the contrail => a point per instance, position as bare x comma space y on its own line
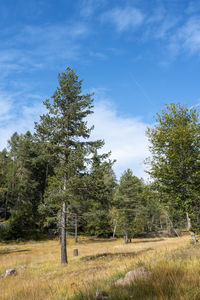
141, 90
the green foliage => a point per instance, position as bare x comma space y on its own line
101, 186
175, 163
24, 184
128, 203
21, 225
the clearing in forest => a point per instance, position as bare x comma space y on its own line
99, 264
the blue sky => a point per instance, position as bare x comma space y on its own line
136, 56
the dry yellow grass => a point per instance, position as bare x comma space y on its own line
42, 277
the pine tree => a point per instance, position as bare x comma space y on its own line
63, 131
101, 185
128, 203
24, 181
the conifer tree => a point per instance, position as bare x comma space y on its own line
128, 203
24, 182
64, 132
101, 186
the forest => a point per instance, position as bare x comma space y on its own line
57, 182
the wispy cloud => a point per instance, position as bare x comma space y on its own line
5, 107
160, 23
124, 18
35, 47
188, 36
157, 15
89, 7
98, 55
165, 28
185, 39
15, 116
180, 34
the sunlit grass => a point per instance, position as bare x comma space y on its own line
41, 276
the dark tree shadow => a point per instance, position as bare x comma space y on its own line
93, 241
9, 251
114, 255
147, 241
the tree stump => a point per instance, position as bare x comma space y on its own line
75, 252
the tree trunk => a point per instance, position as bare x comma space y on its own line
63, 216
114, 230
188, 221
76, 229
193, 237
189, 227
126, 238
63, 235
161, 224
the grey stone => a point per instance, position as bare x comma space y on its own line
139, 273
9, 272
75, 252
11, 248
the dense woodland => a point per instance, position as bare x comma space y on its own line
56, 181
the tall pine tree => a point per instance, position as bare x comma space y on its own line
64, 131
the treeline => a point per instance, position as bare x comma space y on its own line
55, 181
95, 205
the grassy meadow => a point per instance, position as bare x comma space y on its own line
173, 262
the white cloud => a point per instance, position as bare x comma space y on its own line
124, 18
186, 39
17, 117
189, 35
124, 136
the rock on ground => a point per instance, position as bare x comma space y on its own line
139, 273
9, 272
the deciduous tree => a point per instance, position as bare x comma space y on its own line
175, 162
